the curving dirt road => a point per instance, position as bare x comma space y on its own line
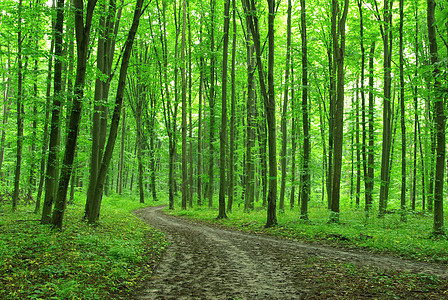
205, 262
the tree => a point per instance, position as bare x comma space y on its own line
402, 118
338, 34
212, 105
52, 161
439, 112
306, 184
82, 29
223, 133
231, 179
20, 110
113, 132
185, 187
386, 34
285, 107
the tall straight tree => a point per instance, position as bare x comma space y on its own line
439, 112
285, 108
20, 110
185, 189
249, 180
402, 116
338, 35
82, 29
52, 161
223, 133
306, 184
231, 188
211, 104
190, 112
386, 34
268, 94
369, 180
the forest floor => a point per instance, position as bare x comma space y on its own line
205, 261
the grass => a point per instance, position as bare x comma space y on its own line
411, 239
108, 261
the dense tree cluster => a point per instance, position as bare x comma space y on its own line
328, 102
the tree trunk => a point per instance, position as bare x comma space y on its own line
120, 165
387, 112
223, 133
20, 111
339, 54
358, 153
306, 184
105, 53
231, 179
268, 95
117, 112
212, 105
82, 29
185, 188
250, 125
403, 125
439, 112
369, 181
52, 162
285, 108
190, 117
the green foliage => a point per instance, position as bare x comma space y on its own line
388, 235
82, 262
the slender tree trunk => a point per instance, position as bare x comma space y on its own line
332, 96
268, 95
339, 54
250, 125
223, 133
106, 46
20, 111
212, 105
306, 183
387, 112
416, 122
403, 125
285, 109
120, 166
96, 126
185, 188
117, 111
190, 118
439, 112
294, 135
52, 162
231, 180
369, 181
199, 166
82, 29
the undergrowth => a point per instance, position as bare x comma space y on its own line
411, 239
106, 261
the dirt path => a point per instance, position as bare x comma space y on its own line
204, 262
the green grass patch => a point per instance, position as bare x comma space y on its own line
411, 239
107, 261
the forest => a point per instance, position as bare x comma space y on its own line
223, 104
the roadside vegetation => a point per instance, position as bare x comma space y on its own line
412, 239
107, 261
341, 279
